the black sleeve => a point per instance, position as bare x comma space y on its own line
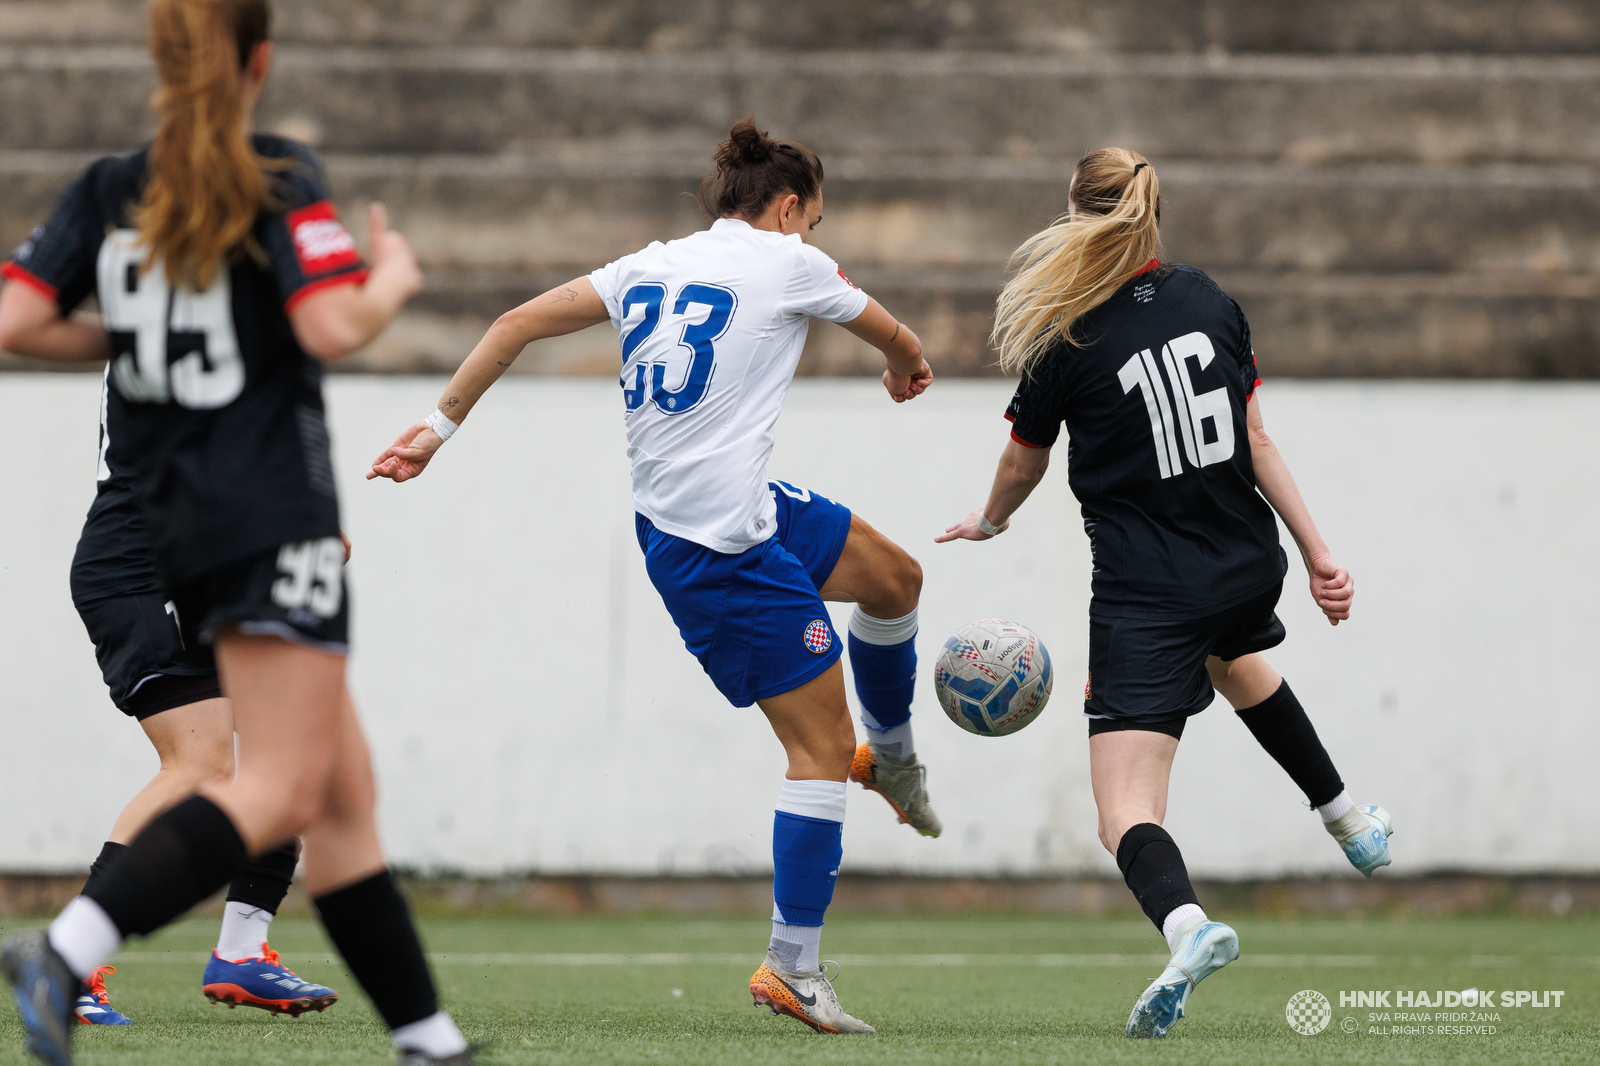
59, 258
1040, 403
309, 247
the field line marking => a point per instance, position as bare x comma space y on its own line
963, 960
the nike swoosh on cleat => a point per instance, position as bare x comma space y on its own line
810, 1001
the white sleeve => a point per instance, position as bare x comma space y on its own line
608, 281
820, 289
605, 281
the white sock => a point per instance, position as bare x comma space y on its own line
1334, 809
1179, 915
84, 936
798, 947
435, 1035
894, 744
822, 800
885, 631
244, 930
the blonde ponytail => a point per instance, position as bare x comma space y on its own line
206, 183
1074, 265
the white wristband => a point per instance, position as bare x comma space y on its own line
991, 530
441, 425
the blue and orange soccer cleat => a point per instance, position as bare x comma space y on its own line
263, 982
94, 1006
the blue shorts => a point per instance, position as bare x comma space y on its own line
755, 620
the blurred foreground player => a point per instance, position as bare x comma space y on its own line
712, 327
1187, 564
221, 269
170, 687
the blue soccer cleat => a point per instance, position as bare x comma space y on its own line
263, 982
1363, 833
1203, 949
45, 991
94, 1006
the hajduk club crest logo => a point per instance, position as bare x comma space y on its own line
819, 638
1308, 1012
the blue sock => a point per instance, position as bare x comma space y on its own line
807, 844
883, 657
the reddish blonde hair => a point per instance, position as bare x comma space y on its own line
207, 185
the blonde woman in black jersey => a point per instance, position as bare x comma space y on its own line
225, 280
1151, 368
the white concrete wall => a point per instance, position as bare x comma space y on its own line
531, 707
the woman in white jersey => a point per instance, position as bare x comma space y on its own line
712, 327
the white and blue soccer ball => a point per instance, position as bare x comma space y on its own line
993, 677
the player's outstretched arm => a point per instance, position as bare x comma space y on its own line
1021, 470
1332, 587
908, 374
337, 321
31, 325
562, 310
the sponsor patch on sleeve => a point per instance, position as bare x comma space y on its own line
320, 239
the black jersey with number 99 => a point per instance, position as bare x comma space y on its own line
214, 411
1158, 453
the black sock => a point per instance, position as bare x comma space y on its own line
1153, 867
178, 860
371, 926
1281, 727
110, 851
263, 881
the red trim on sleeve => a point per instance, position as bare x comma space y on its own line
1025, 443
1251, 394
320, 239
12, 272
311, 288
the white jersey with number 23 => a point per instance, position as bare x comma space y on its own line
712, 326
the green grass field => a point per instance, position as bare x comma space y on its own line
972, 990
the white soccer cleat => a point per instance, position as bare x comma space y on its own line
1363, 833
806, 996
903, 784
1204, 947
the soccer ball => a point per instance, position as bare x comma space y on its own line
993, 677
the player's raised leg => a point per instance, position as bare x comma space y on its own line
1268, 707
813, 724
1130, 768
885, 583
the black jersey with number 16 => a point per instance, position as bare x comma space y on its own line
214, 412
1158, 454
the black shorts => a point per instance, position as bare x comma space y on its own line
1146, 674
150, 661
296, 592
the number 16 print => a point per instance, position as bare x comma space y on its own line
1187, 411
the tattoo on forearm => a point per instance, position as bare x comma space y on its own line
896, 332
451, 402
566, 293
499, 363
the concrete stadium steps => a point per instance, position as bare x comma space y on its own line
525, 210
1304, 325
1227, 108
1083, 26
1368, 270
